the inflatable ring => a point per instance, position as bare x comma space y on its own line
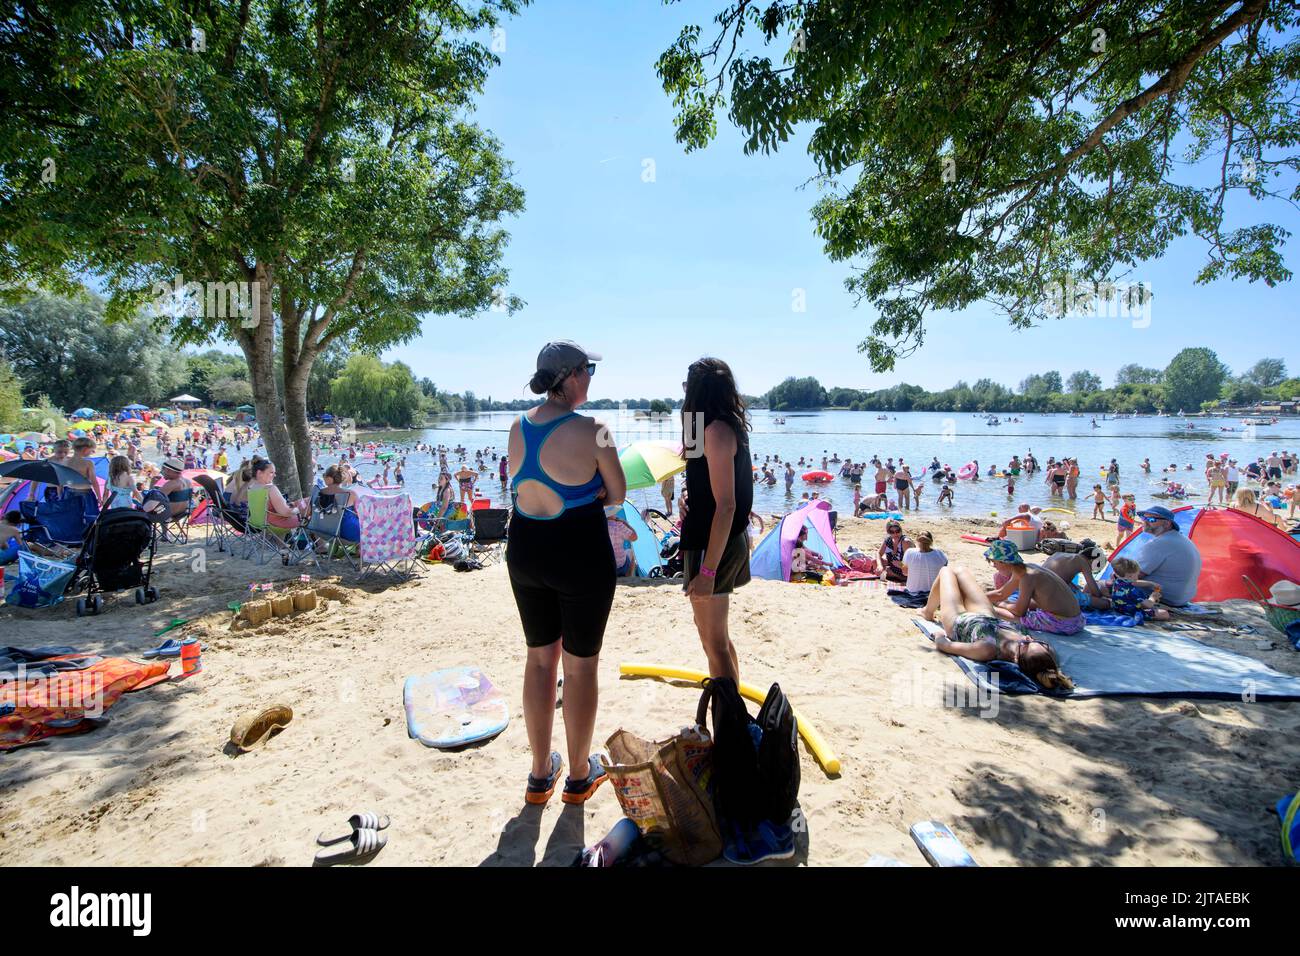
967, 471
820, 477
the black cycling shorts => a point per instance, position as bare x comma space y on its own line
562, 573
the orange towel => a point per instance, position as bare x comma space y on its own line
68, 701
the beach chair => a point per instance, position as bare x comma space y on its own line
387, 536
488, 543
62, 521
260, 537
172, 528
321, 531
220, 528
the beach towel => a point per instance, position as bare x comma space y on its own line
907, 599
69, 702
1138, 662
1113, 619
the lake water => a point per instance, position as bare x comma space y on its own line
915, 437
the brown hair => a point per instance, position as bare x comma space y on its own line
925, 541
1126, 567
1038, 662
119, 465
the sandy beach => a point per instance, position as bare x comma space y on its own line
1040, 782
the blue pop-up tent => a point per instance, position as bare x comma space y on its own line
646, 546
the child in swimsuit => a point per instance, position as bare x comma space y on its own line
1133, 597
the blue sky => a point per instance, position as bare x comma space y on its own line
704, 259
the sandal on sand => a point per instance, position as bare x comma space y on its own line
257, 727
362, 845
580, 791
358, 821
540, 788
168, 648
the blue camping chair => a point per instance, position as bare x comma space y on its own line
59, 522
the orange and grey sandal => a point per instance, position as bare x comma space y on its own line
540, 788
580, 791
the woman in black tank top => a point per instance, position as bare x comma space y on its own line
719, 496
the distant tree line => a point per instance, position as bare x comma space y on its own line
1194, 380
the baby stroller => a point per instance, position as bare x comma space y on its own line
670, 553
117, 554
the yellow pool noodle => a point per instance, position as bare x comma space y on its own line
815, 741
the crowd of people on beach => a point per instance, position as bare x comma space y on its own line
565, 483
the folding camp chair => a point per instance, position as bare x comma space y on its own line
387, 535
322, 528
62, 521
261, 537
173, 528
488, 544
220, 528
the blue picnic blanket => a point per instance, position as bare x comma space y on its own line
1108, 661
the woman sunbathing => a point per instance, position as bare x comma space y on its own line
972, 630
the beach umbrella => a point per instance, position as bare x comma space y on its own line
646, 463
45, 472
84, 413
135, 408
36, 437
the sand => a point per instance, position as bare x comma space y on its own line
1108, 782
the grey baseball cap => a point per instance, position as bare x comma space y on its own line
563, 356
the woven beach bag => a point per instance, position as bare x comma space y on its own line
663, 787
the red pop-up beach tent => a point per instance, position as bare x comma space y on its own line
1232, 543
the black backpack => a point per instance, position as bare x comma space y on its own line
751, 781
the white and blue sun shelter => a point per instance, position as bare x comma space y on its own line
646, 545
771, 559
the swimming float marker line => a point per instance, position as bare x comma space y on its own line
816, 743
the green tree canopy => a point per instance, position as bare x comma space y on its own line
1266, 373
63, 348
377, 394
315, 160
1133, 374
11, 398
795, 393
1194, 376
985, 151
1084, 382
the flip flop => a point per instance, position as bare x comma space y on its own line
168, 648
358, 821
539, 789
362, 845
254, 729
580, 791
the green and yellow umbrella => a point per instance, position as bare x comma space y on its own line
646, 463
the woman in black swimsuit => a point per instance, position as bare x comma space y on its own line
719, 496
903, 485
561, 564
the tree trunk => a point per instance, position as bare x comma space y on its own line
295, 416
259, 349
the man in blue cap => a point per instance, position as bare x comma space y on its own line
1168, 558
